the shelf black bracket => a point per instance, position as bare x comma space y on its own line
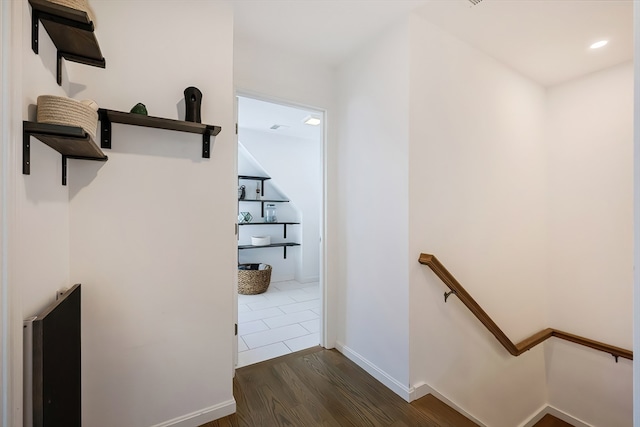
105, 130
64, 170
35, 25
26, 153
101, 63
285, 230
206, 144
59, 69
285, 252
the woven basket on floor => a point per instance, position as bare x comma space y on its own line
252, 282
59, 110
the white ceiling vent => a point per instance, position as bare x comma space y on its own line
474, 2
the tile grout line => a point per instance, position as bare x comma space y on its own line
283, 343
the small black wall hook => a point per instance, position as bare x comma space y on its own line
448, 294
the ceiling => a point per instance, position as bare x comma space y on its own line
261, 116
545, 40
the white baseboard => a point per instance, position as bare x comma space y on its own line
556, 413
377, 373
422, 389
202, 416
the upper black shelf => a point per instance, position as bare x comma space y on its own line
70, 141
284, 225
110, 116
71, 31
254, 178
269, 223
262, 200
284, 246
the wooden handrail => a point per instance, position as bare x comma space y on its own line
514, 349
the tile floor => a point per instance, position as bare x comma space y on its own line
282, 320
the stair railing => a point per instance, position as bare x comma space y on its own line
514, 349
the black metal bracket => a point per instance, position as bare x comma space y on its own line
285, 252
35, 27
26, 153
105, 130
285, 230
615, 356
101, 63
206, 144
448, 294
64, 170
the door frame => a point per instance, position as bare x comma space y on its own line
327, 307
11, 353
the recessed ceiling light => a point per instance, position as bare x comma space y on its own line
599, 44
310, 120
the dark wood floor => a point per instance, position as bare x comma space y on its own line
551, 421
318, 387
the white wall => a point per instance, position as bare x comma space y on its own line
294, 165
477, 164
265, 71
42, 202
152, 230
10, 132
591, 248
373, 157
636, 216
39, 241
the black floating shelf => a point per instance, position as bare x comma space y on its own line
269, 223
273, 245
284, 224
70, 141
262, 179
71, 31
110, 116
254, 178
263, 200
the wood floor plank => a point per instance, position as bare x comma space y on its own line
318, 387
348, 390
443, 414
315, 407
551, 421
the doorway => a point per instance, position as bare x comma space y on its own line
280, 219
